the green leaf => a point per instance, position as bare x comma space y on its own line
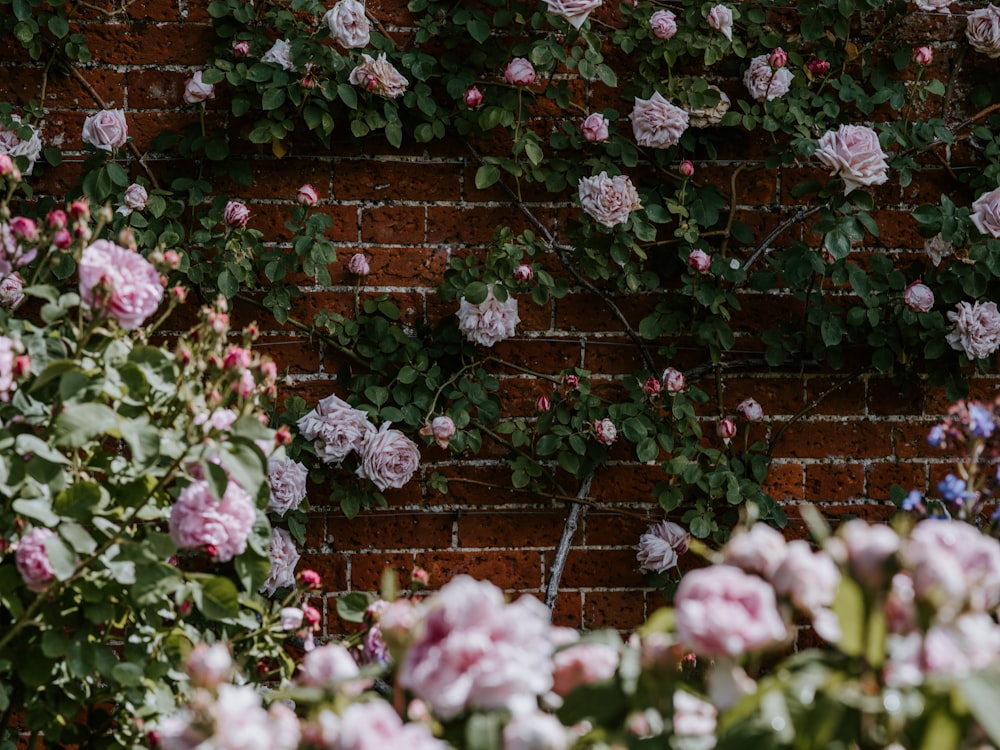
487, 175
78, 500
351, 607
981, 691
272, 99
217, 598
81, 423
63, 559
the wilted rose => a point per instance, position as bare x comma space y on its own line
661, 546
379, 76
574, 11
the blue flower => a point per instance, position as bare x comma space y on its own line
953, 489
913, 500
936, 436
981, 421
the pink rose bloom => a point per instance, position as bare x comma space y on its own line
810, 579
574, 11
901, 604
241, 48
663, 24
195, 90
595, 128
388, 458
209, 666
236, 214
582, 664
33, 561
307, 195
686, 168
291, 618
606, 431
937, 249
11, 286
242, 723
284, 558
699, 260
673, 380
982, 29
760, 550
287, 479
336, 427
651, 386
134, 199
380, 76
986, 213
750, 410
778, 58
12, 145
489, 322
535, 731
472, 650
375, 725
608, 200
853, 153
818, 67
473, 97
918, 297
934, 6
349, 26
106, 130
119, 283
198, 520
280, 54
328, 666
657, 123
661, 546
519, 72
442, 428
977, 329
693, 717
9, 349
523, 273
23, 228
865, 550
765, 82
359, 264
923, 55
720, 18
722, 611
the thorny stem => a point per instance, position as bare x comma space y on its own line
576, 510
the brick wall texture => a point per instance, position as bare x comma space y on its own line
411, 209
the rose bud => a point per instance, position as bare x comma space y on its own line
818, 67
673, 380
241, 49
750, 410
307, 195
606, 431
62, 239
570, 382
778, 58
595, 128
918, 297
519, 72
23, 228
699, 260
310, 578
686, 168
651, 387
358, 264
523, 273
543, 403
56, 219
726, 429
236, 214
923, 55
473, 97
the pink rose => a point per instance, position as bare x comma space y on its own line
657, 123
571, 382
519, 72
722, 611
686, 168
750, 410
778, 58
11, 293
473, 97
442, 428
854, 153
388, 458
720, 18
119, 283
7, 166
359, 264
287, 480
307, 195
651, 386
33, 561
379, 76
595, 128
574, 11
23, 228
977, 329
923, 55
818, 67
765, 82
106, 130
673, 380
349, 26
241, 48
236, 214
535, 731
14, 145
523, 273
198, 520
663, 24
608, 200
918, 297
606, 431
982, 29
280, 54
934, 6
661, 546
336, 427
209, 666
135, 197
760, 550
543, 404
726, 429
810, 579
986, 213
582, 664
284, 557
867, 550
375, 724
693, 717
195, 90
699, 260
489, 322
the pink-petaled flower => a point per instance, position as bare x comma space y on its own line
722, 611
379, 76
673, 380
934, 6
198, 520
196, 90
535, 731
442, 428
490, 321
810, 579
375, 724
661, 546
663, 24
348, 24
759, 550
651, 386
853, 153
241, 48
923, 55
8, 168
62, 239
657, 123
986, 213
693, 717
359, 264
328, 666
750, 410
419, 578
11, 294
473, 97
918, 297
236, 214
595, 128
574, 11
582, 664
209, 666
134, 199
388, 458
119, 283
765, 82
280, 53
56, 219
982, 29
976, 329
571, 382
818, 67
519, 72
284, 557
608, 200
307, 195
336, 427
33, 561
865, 549
605, 431
23, 228
106, 130
311, 615
699, 260
543, 404
287, 480
13, 145
725, 429
523, 273
778, 58
686, 168
720, 18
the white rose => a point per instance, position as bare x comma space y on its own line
280, 54
349, 26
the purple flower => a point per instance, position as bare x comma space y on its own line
913, 500
936, 436
981, 421
954, 489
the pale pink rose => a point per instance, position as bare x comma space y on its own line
33, 561
236, 214
198, 520
937, 249
760, 550
934, 6
359, 264
307, 195
705, 117
958, 649
693, 717
923, 55
242, 723
720, 611
380, 76
986, 213
750, 410
473, 97
9, 351
865, 550
291, 618
608, 200
280, 54
134, 199
442, 428
901, 604
388, 458
977, 329
661, 546
106, 130
11, 294
375, 725
209, 666
725, 429
535, 731
574, 11
673, 380
595, 128
7, 166
720, 18
765, 82
489, 322
12, 145
196, 90
663, 24
119, 283
287, 480
519, 72
657, 123
918, 297
523, 273
853, 153
699, 260
336, 427
349, 26
728, 682
472, 650
219, 420
177, 732
810, 579
582, 664
284, 557
606, 431
982, 29
331, 665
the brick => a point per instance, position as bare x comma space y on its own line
841, 439
601, 568
376, 181
332, 569
613, 609
834, 481
509, 569
785, 482
512, 529
367, 569
394, 530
